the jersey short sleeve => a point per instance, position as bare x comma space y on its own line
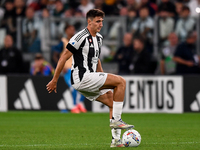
76, 41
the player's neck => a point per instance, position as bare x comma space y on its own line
93, 33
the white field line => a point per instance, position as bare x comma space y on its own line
81, 144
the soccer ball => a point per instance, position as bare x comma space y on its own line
131, 138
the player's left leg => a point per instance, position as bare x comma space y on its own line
107, 99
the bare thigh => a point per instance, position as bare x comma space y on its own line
113, 81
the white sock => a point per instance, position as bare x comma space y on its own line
117, 110
116, 133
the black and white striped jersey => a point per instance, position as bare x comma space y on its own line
86, 50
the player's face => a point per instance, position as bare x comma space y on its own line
96, 24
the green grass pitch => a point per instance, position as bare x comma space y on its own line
59, 131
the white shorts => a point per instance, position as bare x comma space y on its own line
90, 85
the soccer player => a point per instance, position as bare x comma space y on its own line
87, 75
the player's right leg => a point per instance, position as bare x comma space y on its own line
118, 84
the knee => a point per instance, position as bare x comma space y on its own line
122, 82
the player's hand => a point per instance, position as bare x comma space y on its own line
51, 86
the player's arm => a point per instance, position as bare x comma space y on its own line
99, 67
51, 86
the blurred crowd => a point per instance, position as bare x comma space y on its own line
175, 21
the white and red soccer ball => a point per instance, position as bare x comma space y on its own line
131, 138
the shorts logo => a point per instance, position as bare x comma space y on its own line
101, 74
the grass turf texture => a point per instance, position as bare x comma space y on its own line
55, 130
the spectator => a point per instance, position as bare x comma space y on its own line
68, 13
30, 28
179, 6
123, 54
151, 7
57, 50
143, 26
185, 24
123, 11
166, 26
10, 57
46, 25
132, 4
73, 3
131, 17
59, 12
59, 9
186, 58
167, 65
141, 58
113, 5
78, 13
20, 8
98, 4
170, 7
41, 67
115, 28
37, 5
8, 19
29, 2
85, 6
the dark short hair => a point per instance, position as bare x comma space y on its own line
94, 13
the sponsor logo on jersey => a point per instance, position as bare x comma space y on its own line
73, 43
92, 45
